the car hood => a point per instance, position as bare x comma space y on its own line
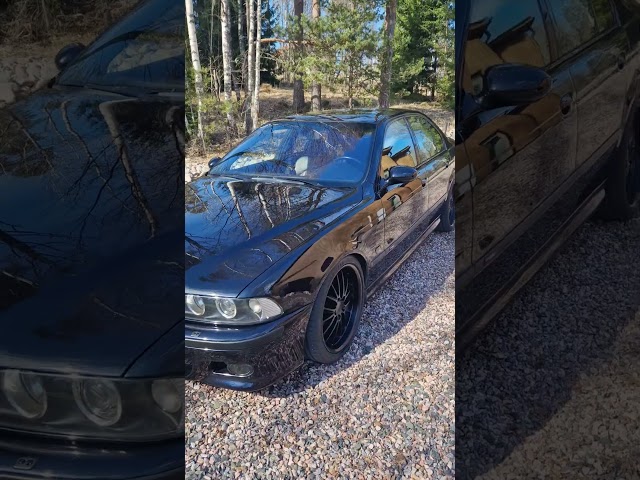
235, 230
90, 200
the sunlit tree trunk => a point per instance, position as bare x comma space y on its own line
195, 60
316, 88
251, 63
387, 55
255, 105
227, 63
242, 42
298, 86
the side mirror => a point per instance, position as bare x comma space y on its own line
511, 84
213, 161
401, 175
68, 54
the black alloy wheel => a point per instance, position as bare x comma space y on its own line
335, 316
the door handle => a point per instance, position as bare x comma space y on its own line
424, 182
565, 103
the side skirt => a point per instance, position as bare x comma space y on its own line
485, 314
373, 288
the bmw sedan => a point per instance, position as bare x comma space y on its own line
290, 232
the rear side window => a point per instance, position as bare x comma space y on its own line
503, 31
428, 140
578, 21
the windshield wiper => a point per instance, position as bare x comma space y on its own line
298, 181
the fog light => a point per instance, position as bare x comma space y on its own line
25, 393
195, 304
226, 307
99, 400
240, 369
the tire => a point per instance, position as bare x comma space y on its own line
323, 345
622, 201
448, 215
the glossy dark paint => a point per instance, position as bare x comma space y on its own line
283, 245
91, 220
523, 170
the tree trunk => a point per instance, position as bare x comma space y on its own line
298, 86
195, 60
316, 88
227, 63
255, 105
387, 56
242, 42
251, 63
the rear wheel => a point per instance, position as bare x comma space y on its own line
448, 215
336, 313
623, 185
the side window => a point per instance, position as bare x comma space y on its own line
429, 142
578, 21
503, 31
398, 148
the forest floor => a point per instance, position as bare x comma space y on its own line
278, 103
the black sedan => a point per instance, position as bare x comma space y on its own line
91, 274
288, 234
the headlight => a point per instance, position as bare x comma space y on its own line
231, 311
113, 409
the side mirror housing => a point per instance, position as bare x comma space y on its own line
401, 175
68, 54
213, 161
510, 84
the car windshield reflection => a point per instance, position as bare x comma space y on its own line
306, 151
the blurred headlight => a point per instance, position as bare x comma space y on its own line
116, 409
232, 311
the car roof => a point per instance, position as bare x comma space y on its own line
359, 115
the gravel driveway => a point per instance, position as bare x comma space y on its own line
552, 389
384, 411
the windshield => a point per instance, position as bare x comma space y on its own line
145, 49
325, 151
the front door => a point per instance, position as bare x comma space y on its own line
404, 205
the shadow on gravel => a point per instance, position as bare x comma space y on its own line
381, 320
563, 325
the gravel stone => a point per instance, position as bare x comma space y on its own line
384, 411
552, 388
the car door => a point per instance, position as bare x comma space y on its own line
594, 47
519, 154
434, 158
404, 205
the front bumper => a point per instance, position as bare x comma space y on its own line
30, 458
272, 349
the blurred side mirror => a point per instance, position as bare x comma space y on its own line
401, 175
213, 161
68, 54
511, 84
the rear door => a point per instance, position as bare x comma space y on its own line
595, 48
434, 158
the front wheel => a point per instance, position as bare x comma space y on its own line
336, 313
622, 200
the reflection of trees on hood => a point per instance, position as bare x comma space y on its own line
92, 181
